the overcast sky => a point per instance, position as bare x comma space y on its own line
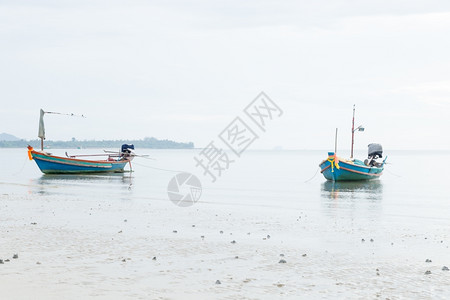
184, 70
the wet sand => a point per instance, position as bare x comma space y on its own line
74, 248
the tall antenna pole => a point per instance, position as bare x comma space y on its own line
353, 130
335, 142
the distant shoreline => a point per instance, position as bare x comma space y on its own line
151, 143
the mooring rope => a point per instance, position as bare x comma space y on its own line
313, 176
160, 169
21, 169
58, 113
392, 173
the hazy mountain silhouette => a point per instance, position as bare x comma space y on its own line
74, 143
8, 137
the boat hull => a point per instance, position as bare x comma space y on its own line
50, 164
348, 171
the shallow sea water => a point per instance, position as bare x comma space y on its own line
96, 236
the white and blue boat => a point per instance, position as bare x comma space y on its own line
337, 169
51, 164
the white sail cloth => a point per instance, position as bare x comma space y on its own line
41, 133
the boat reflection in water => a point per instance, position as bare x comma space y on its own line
353, 189
352, 195
57, 184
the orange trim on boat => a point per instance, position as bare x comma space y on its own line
30, 157
354, 171
325, 168
104, 166
75, 159
371, 174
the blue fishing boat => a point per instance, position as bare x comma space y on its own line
51, 164
337, 169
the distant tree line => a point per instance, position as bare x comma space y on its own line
74, 144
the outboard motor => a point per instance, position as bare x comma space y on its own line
126, 150
375, 151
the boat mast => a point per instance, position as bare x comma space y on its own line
353, 130
41, 132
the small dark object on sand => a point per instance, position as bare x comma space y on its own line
7, 260
363, 240
236, 257
125, 220
193, 225
1, 261
371, 240
218, 281
16, 256
233, 242
175, 231
282, 255
428, 260
428, 272
124, 260
282, 261
202, 236
268, 236
304, 255
38, 263
221, 232
154, 258
445, 268
33, 223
